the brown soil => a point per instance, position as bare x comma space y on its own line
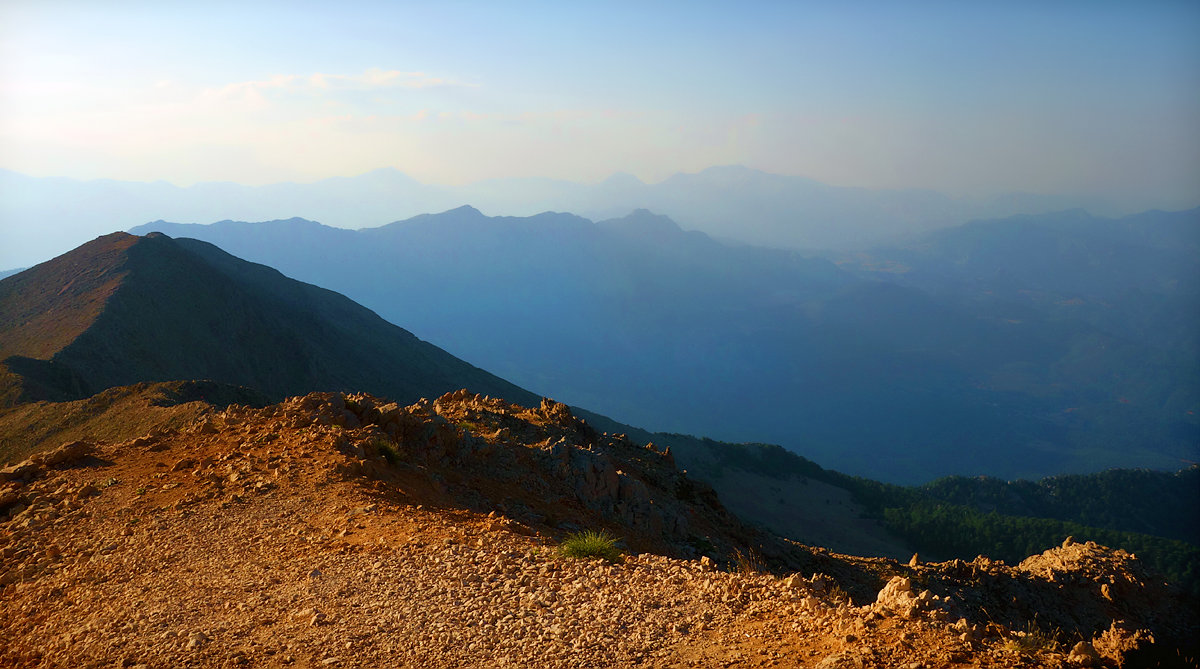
345, 531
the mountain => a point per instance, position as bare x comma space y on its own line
307, 507
731, 202
860, 362
158, 313
124, 309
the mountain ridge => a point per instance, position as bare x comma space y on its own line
734, 203
215, 300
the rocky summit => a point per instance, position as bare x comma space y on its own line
336, 530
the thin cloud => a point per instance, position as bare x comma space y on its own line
320, 83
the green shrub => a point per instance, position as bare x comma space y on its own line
748, 562
1034, 639
386, 449
590, 544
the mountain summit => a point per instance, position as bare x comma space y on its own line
124, 309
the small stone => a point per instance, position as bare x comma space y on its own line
914, 560
1083, 654
185, 463
196, 639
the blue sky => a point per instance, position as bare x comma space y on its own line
968, 98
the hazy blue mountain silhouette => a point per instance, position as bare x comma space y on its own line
902, 379
732, 203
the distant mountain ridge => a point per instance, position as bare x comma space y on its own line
125, 309
731, 202
859, 368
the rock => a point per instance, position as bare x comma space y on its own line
897, 598
196, 639
68, 452
185, 463
844, 660
914, 561
1083, 654
22, 471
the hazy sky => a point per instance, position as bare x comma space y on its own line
965, 97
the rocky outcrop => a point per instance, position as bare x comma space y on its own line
897, 598
474, 440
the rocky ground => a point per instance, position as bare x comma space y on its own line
346, 531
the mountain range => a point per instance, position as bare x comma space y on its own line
733, 203
183, 324
979, 349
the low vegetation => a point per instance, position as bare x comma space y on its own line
1154, 515
589, 544
387, 450
1034, 639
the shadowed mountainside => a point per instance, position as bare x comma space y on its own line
125, 309
864, 368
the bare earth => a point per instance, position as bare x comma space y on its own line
289, 536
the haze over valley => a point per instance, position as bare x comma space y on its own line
731, 203
677, 334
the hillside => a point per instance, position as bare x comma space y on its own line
347, 530
900, 372
1165, 504
1152, 514
123, 309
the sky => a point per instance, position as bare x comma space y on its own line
968, 98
